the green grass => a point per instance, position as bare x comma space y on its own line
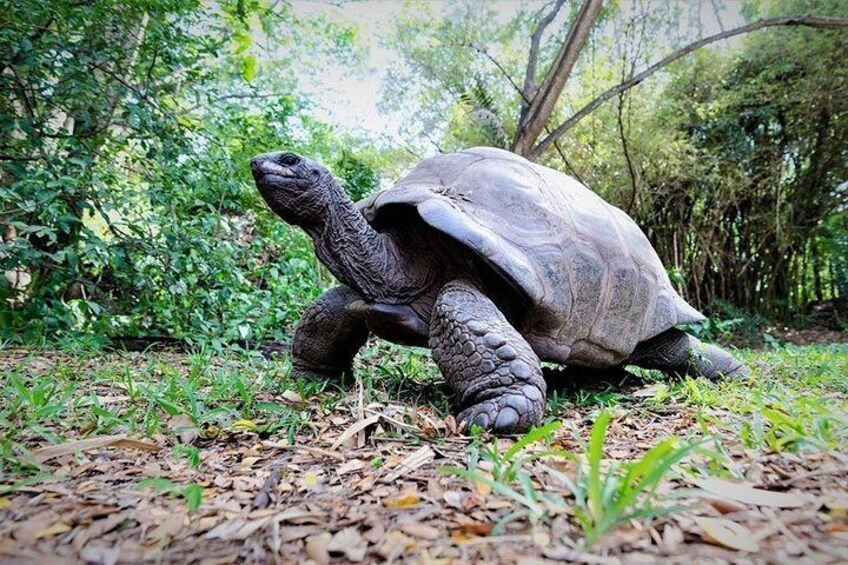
795, 401
603, 493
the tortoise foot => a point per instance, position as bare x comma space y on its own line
513, 412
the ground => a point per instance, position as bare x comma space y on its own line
219, 458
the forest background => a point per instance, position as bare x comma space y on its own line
128, 208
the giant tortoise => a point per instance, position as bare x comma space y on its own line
496, 264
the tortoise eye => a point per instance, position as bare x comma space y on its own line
289, 160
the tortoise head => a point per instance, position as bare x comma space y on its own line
296, 188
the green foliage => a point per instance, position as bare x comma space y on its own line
623, 491
192, 494
358, 178
507, 471
127, 196
606, 493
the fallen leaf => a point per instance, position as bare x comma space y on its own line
317, 548
482, 488
419, 530
351, 466
746, 493
249, 462
4, 502
402, 500
51, 452
411, 462
355, 429
394, 544
728, 534
292, 396
350, 543
55, 529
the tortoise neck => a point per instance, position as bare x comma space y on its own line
357, 255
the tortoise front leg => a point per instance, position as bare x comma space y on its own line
495, 373
328, 336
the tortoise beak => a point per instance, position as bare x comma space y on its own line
267, 164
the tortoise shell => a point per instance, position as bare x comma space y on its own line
594, 284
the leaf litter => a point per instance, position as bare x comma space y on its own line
359, 482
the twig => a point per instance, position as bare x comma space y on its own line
795, 479
360, 410
263, 497
311, 450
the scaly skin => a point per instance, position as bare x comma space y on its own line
493, 370
328, 336
681, 354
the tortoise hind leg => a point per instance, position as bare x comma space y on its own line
485, 360
679, 353
328, 335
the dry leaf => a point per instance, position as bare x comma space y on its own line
317, 548
411, 462
746, 493
728, 534
350, 543
355, 429
419, 530
351, 466
484, 489
402, 500
394, 545
248, 462
292, 396
55, 529
51, 452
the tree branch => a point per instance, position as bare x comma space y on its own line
533, 57
525, 103
546, 97
797, 20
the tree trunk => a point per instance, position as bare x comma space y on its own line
544, 100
